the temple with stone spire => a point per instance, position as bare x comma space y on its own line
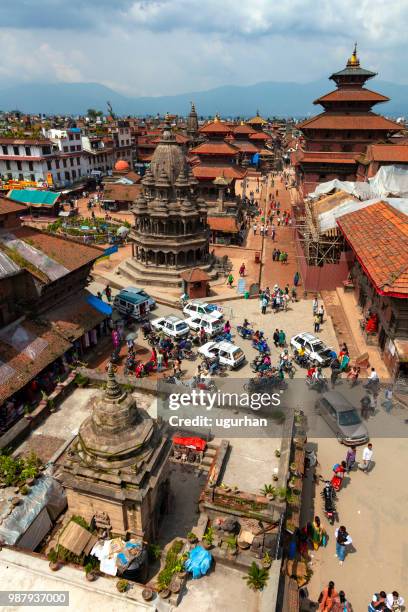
335, 139
117, 466
170, 233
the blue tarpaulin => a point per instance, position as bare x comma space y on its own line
99, 305
110, 251
255, 158
199, 562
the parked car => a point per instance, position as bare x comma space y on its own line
343, 418
315, 348
142, 292
201, 308
212, 326
131, 304
171, 326
229, 354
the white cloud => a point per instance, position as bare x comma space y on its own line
156, 47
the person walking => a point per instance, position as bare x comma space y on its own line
387, 403
242, 269
273, 233
108, 293
316, 323
367, 458
276, 337
343, 539
320, 312
159, 361
264, 304
350, 458
254, 227
230, 280
341, 604
319, 537
315, 306
326, 597
282, 338
296, 279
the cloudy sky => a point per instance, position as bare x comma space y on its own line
155, 47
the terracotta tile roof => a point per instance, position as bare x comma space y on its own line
319, 157
243, 129
387, 153
195, 276
341, 121
215, 127
73, 318
214, 148
245, 147
259, 136
26, 368
70, 254
223, 224
202, 171
378, 235
180, 139
8, 206
352, 95
121, 193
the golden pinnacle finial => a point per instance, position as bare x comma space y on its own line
354, 61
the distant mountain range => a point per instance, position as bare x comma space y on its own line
270, 98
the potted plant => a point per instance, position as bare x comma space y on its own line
53, 560
90, 572
293, 500
291, 483
277, 453
231, 542
122, 585
282, 492
275, 477
147, 594
293, 468
266, 561
268, 491
191, 537
208, 538
257, 577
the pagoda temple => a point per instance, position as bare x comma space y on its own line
337, 137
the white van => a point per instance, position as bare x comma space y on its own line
228, 353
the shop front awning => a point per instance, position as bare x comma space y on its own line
99, 305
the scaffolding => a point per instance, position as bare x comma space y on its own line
319, 247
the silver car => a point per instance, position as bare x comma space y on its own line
343, 418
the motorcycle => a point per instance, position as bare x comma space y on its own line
188, 354
258, 365
329, 496
262, 347
115, 356
129, 366
153, 339
245, 332
317, 384
225, 336
288, 368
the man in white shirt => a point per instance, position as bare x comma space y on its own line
367, 457
373, 375
394, 601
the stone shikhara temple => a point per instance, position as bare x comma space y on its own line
118, 466
170, 233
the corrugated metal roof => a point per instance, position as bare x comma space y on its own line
34, 197
7, 266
